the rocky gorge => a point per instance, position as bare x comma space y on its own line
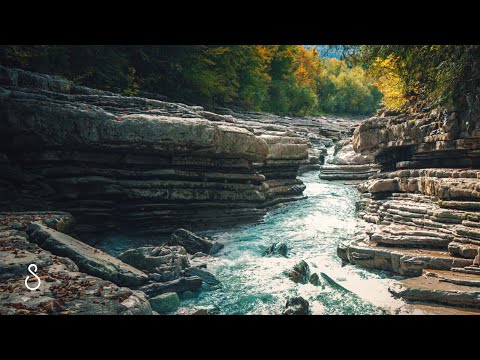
115, 161
244, 212
77, 163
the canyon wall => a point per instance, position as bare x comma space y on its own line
423, 208
138, 164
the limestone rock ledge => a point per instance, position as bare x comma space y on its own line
346, 164
138, 164
79, 279
64, 288
423, 208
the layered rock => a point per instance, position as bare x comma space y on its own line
346, 164
423, 138
79, 279
64, 288
137, 164
424, 207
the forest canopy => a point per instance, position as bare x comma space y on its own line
282, 79
444, 75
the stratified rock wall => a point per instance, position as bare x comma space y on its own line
347, 164
424, 206
422, 139
131, 163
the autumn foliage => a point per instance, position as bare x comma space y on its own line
283, 79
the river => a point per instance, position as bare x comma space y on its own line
312, 228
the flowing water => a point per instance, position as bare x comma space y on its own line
312, 228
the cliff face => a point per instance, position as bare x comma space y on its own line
347, 164
426, 138
135, 163
423, 209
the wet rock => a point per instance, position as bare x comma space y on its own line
192, 283
199, 310
166, 261
300, 273
88, 259
333, 283
209, 281
276, 249
194, 243
165, 303
315, 280
297, 306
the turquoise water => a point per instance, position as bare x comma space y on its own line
312, 228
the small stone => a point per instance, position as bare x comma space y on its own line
168, 276
165, 303
155, 277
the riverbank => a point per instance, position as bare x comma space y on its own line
423, 206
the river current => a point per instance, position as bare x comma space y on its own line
312, 228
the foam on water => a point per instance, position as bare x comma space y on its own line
312, 228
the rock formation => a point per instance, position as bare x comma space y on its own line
424, 206
346, 163
64, 288
297, 306
137, 164
79, 279
300, 273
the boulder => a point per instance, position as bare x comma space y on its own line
209, 281
165, 303
88, 259
167, 262
315, 280
297, 306
276, 249
300, 273
194, 243
191, 283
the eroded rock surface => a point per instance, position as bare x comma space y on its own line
194, 243
137, 164
423, 208
348, 164
64, 289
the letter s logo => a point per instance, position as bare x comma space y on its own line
35, 275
